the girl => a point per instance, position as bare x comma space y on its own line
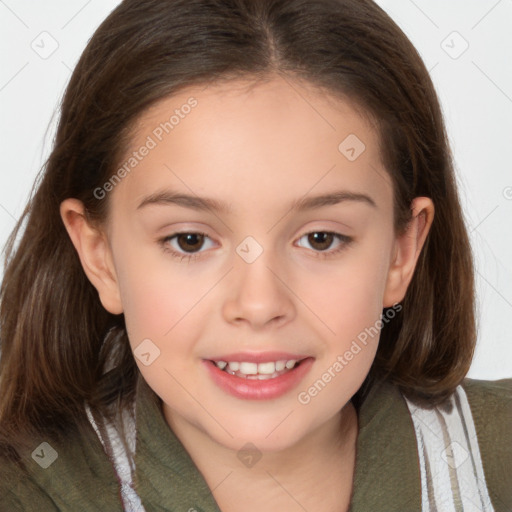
244, 280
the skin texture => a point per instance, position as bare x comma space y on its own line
258, 149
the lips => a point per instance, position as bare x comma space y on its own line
258, 376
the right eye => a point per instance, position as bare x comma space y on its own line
184, 244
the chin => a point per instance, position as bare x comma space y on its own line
271, 434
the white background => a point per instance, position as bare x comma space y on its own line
475, 89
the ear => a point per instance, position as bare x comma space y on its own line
407, 249
94, 253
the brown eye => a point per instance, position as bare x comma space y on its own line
325, 243
320, 240
187, 245
190, 242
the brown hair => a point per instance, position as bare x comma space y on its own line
57, 341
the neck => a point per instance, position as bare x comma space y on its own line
317, 471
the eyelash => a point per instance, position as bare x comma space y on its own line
345, 242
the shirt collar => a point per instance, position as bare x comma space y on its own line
387, 475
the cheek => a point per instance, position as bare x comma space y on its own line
162, 315
349, 305
149, 309
154, 294
349, 301
348, 295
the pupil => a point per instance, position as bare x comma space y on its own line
191, 241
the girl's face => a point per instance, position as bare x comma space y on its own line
287, 252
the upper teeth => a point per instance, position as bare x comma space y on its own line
256, 368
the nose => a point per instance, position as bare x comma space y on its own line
258, 294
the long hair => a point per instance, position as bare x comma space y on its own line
60, 348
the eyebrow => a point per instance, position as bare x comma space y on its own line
167, 197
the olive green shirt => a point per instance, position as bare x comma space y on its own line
387, 471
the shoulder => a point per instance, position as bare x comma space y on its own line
71, 473
497, 391
19, 492
491, 408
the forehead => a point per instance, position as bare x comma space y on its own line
249, 142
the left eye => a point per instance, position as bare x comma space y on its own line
322, 240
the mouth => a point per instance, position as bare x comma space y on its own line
263, 379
